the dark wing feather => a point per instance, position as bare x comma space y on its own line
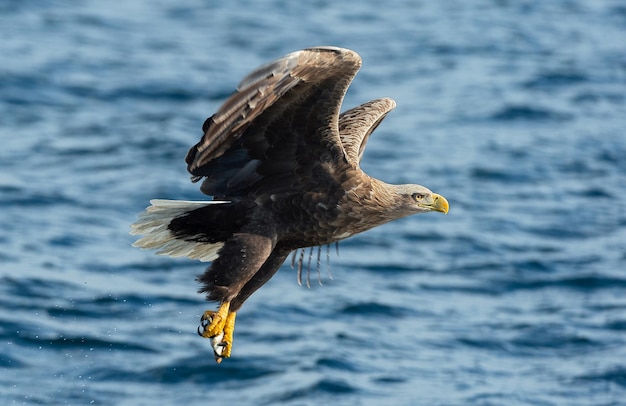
280, 129
356, 125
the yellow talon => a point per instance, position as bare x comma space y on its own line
229, 329
213, 322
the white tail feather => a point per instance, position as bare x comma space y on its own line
153, 225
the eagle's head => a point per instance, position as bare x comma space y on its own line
413, 199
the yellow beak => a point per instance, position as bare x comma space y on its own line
440, 204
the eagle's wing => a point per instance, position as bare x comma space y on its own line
356, 125
279, 129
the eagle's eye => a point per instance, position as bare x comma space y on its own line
418, 196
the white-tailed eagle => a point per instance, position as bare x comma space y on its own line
282, 165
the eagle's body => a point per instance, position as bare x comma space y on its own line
283, 166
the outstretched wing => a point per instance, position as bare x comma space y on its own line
356, 125
280, 129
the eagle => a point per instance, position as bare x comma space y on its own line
282, 164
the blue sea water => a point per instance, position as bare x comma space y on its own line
513, 110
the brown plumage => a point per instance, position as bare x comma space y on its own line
282, 164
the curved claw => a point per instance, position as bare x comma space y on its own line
212, 322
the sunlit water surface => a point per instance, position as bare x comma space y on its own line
515, 111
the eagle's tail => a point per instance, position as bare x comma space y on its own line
154, 225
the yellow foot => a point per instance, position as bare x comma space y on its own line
212, 323
219, 328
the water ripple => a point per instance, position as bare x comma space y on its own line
515, 111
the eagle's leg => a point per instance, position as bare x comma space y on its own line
231, 278
227, 341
